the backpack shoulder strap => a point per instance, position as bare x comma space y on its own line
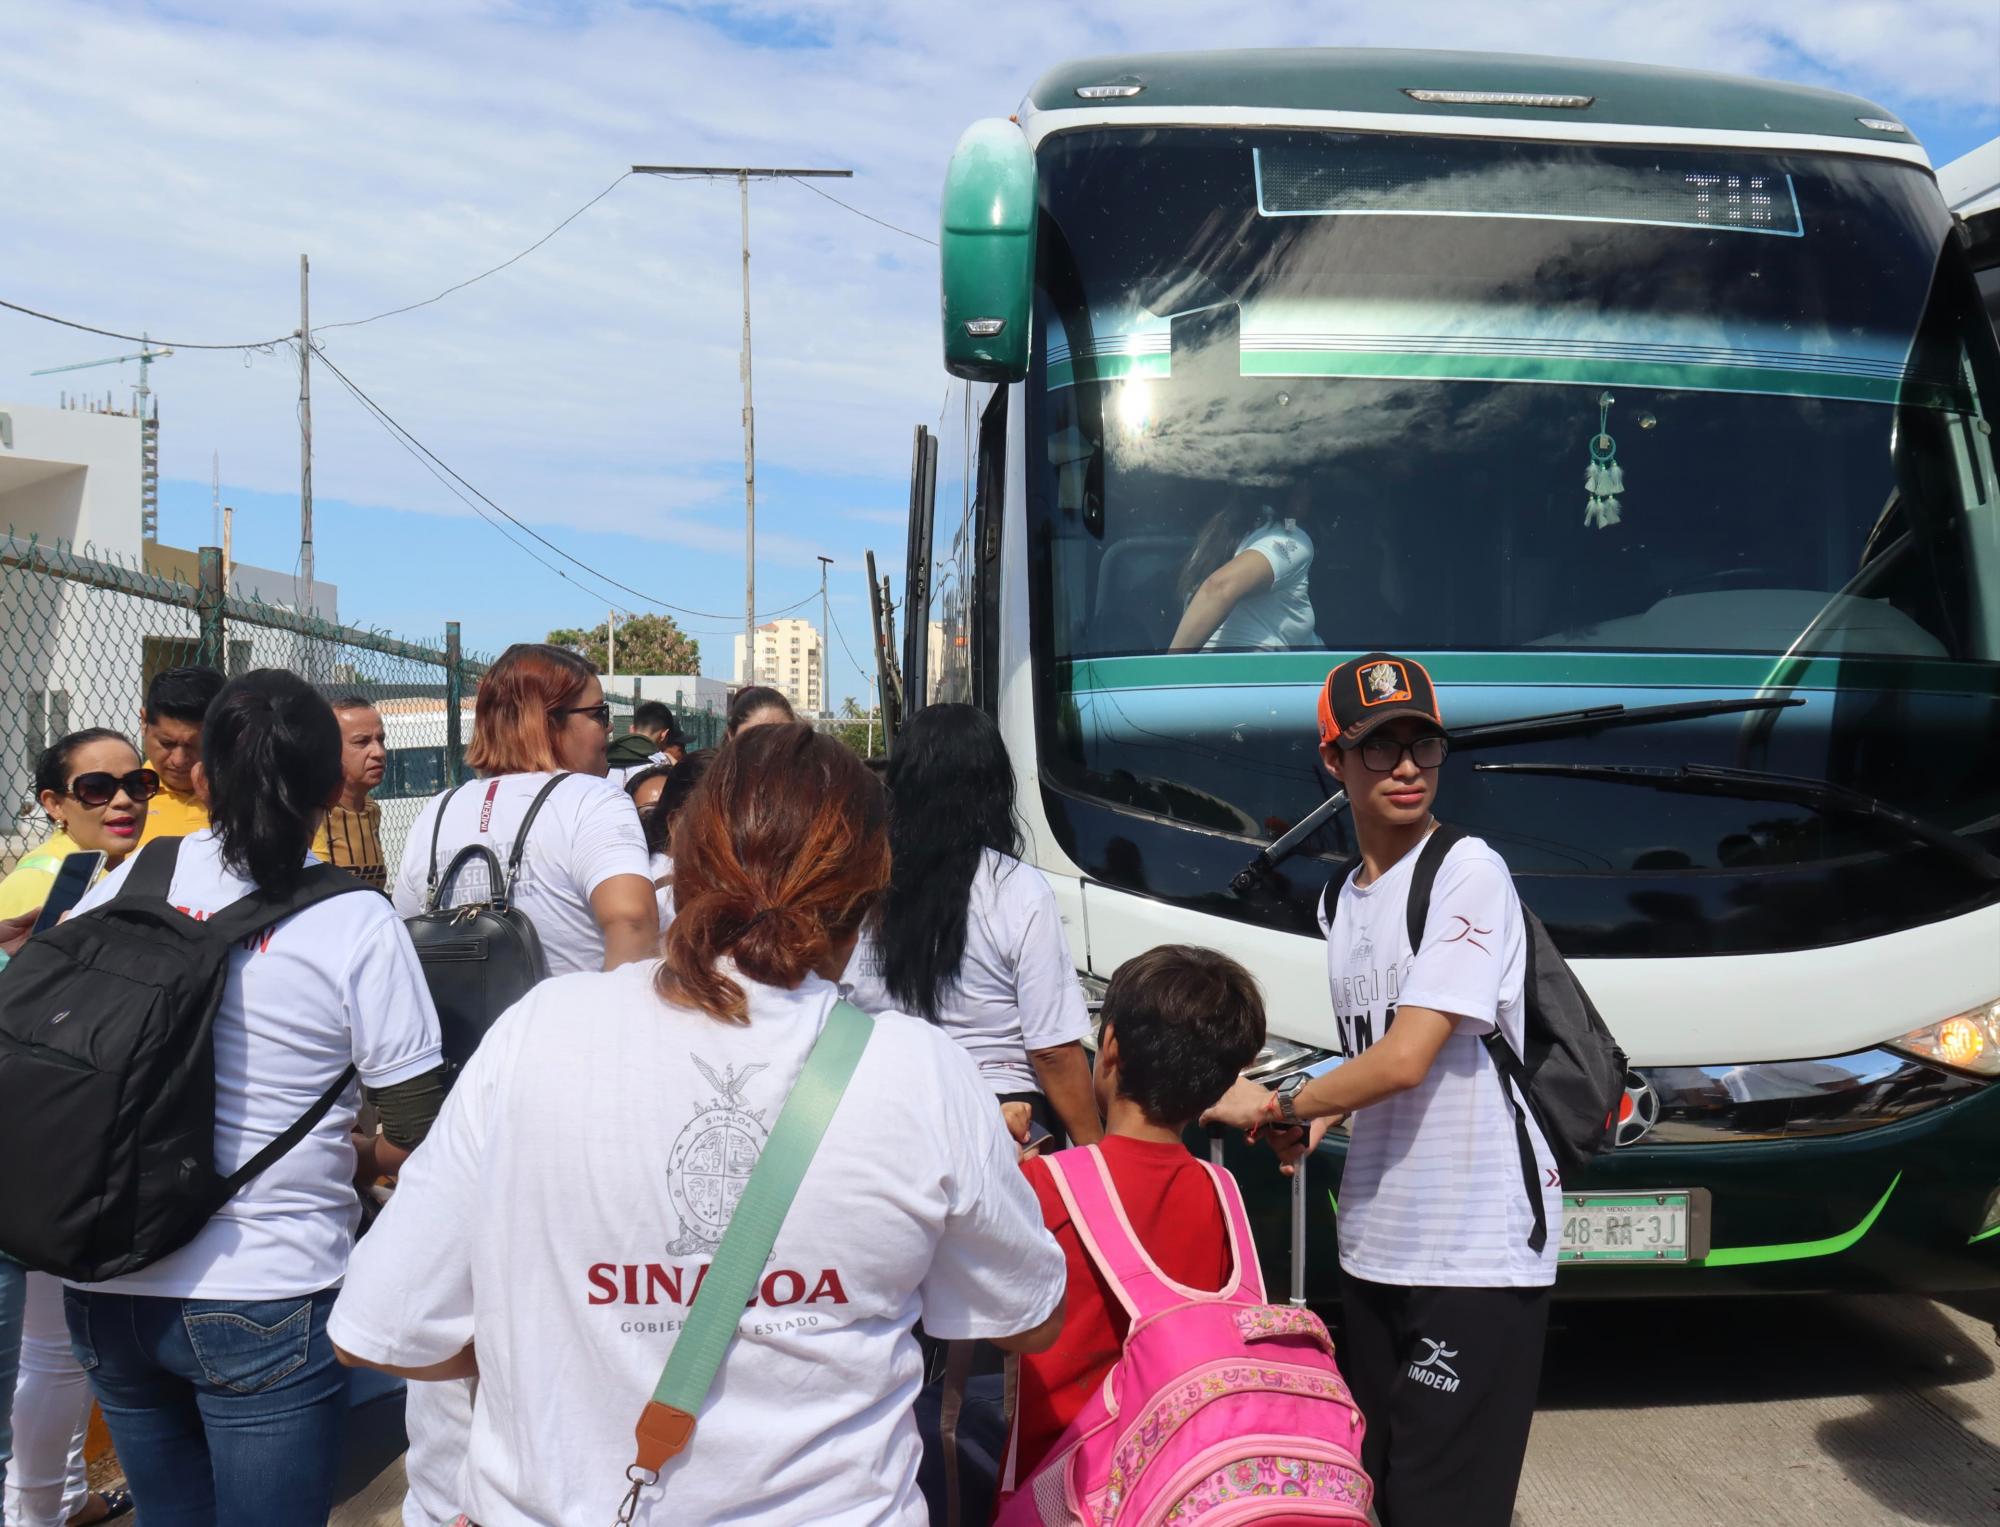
527, 822
668, 1420
1430, 859
152, 873
437, 826
228, 1187
260, 909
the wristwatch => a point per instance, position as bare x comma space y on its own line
1288, 1091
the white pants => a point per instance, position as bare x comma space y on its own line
437, 1419
46, 1482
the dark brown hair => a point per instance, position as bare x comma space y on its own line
513, 722
1187, 1021
750, 699
778, 855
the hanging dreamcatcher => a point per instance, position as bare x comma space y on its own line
1603, 478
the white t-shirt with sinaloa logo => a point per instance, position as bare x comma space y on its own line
586, 833
568, 1202
1432, 1192
337, 984
1280, 616
1016, 989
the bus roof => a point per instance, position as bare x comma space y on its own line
1375, 80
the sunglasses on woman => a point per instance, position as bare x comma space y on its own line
98, 789
601, 714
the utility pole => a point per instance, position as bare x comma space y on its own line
743, 175
825, 642
611, 644
305, 442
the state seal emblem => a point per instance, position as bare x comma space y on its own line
712, 1158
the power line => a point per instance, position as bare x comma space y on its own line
519, 524
842, 635
171, 344
355, 323
871, 217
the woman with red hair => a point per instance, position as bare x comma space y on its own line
540, 731
567, 1203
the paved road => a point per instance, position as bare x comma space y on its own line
1705, 1413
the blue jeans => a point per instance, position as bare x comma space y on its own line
222, 1411
13, 1288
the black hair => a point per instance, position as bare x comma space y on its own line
1187, 1021
654, 716
271, 749
52, 768
353, 702
680, 785
1215, 544
951, 797
651, 819
750, 699
182, 694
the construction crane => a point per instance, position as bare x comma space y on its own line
149, 430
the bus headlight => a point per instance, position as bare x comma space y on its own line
1283, 1057
1968, 1041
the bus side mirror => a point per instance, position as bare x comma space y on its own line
987, 253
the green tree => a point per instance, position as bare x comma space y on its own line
853, 728
646, 644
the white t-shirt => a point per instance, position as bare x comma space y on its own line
576, 1186
1016, 989
621, 774
1432, 1193
662, 868
338, 983
1280, 616
586, 833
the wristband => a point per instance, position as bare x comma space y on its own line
1288, 1110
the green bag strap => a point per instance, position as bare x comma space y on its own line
668, 1420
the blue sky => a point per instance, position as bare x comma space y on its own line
167, 164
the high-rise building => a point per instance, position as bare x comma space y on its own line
791, 661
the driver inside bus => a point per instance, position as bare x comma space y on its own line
1244, 584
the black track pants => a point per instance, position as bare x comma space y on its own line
1446, 1380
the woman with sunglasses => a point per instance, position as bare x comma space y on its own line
586, 879
95, 792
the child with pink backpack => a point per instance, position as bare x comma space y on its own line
1175, 1391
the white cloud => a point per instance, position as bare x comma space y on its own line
165, 171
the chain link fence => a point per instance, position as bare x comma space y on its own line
80, 639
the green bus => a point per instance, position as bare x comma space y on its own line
1654, 407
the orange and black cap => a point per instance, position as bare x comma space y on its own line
1361, 694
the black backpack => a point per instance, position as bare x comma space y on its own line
482, 958
1573, 1074
107, 1074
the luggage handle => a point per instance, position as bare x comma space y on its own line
437, 886
499, 888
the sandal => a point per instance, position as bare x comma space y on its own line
117, 1503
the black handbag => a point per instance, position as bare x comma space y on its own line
481, 958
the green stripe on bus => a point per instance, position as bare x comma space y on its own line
1538, 669
1985, 1235
1794, 1251
1592, 372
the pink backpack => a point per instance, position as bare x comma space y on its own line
1222, 1407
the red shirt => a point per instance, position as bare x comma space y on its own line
1171, 1203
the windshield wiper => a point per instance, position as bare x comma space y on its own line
1489, 734
1757, 785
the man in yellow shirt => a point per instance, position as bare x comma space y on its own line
170, 731
351, 835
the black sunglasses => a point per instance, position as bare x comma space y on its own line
601, 714
1383, 753
98, 789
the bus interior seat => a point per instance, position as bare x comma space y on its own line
1137, 607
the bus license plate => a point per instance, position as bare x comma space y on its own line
1626, 1227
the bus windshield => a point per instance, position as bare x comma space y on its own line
1631, 419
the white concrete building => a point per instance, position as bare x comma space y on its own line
790, 659
683, 691
70, 475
